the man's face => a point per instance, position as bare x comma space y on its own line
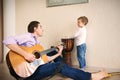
39, 30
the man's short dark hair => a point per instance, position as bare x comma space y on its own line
32, 25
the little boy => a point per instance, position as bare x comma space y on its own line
80, 39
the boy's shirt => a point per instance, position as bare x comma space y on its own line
80, 36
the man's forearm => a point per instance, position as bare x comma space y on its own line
51, 58
17, 49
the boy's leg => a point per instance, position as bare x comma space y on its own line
81, 50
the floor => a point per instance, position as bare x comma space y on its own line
4, 74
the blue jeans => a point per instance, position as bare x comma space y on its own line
81, 50
49, 69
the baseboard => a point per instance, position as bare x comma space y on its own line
100, 68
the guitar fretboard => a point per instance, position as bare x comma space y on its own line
38, 54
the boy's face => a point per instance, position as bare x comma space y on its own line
80, 23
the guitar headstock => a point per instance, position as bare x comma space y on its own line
64, 45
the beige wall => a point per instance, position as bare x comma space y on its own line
103, 46
8, 21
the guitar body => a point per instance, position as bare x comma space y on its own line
20, 65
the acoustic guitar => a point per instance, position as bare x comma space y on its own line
22, 67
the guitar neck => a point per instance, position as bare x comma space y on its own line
38, 54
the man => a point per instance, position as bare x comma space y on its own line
47, 68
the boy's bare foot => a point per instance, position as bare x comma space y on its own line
99, 75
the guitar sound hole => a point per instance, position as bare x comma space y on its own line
37, 55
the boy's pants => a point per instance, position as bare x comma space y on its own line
81, 50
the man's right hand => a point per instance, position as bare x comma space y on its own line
29, 57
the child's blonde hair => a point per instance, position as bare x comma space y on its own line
84, 19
